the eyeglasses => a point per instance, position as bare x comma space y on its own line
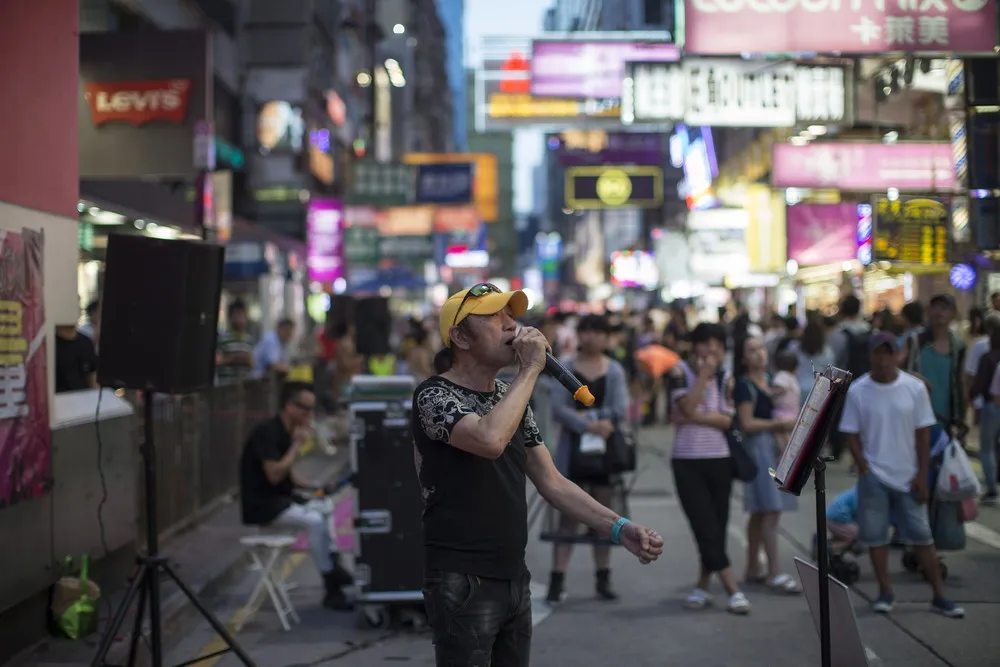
477, 291
303, 406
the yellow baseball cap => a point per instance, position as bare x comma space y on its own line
480, 299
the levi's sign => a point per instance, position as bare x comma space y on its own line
737, 93
138, 102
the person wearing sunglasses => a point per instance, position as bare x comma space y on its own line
268, 483
476, 441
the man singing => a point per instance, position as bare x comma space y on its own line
475, 439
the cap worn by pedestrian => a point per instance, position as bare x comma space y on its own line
883, 338
469, 302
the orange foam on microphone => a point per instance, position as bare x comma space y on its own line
584, 396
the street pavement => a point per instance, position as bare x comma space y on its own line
648, 626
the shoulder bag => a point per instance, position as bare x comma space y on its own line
744, 467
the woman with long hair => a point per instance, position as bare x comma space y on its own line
761, 499
814, 354
607, 382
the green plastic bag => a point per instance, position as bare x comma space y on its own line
74, 603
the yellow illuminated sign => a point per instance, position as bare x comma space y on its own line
614, 186
485, 187
510, 105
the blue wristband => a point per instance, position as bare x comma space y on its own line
616, 530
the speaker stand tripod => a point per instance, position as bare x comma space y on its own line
146, 582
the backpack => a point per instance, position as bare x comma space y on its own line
858, 359
984, 375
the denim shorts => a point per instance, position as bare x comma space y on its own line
877, 503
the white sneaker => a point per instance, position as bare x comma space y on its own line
699, 599
738, 604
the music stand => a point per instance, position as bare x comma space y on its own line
848, 650
146, 581
803, 456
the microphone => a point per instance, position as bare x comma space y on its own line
580, 391
572, 384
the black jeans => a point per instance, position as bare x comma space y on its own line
479, 622
703, 487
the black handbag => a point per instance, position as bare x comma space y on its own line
619, 456
744, 467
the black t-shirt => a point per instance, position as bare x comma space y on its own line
475, 511
260, 500
747, 391
75, 360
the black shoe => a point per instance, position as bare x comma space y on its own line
341, 575
604, 590
337, 601
555, 595
335, 598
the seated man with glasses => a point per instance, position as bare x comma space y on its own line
476, 440
268, 484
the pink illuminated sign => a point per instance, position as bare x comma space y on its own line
864, 167
732, 27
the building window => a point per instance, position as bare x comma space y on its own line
653, 12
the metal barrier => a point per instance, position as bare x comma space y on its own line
199, 440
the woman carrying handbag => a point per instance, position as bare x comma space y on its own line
591, 447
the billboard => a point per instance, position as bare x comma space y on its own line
140, 97
503, 89
325, 239
734, 27
737, 93
822, 233
612, 186
485, 185
864, 166
589, 69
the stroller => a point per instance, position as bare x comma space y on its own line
947, 523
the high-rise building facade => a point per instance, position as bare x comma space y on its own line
452, 13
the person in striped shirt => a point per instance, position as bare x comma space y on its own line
702, 465
234, 359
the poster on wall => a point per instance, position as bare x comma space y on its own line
25, 438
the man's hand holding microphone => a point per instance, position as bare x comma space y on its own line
530, 347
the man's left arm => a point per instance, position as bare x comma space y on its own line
574, 502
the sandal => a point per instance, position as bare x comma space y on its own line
738, 604
784, 583
699, 599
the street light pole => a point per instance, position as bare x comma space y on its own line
372, 33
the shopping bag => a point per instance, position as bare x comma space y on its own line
957, 479
74, 603
970, 509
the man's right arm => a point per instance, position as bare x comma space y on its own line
277, 466
850, 426
489, 435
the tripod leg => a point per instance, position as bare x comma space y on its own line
140, 612
110, 632
216, 624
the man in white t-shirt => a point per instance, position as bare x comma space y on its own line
887, 419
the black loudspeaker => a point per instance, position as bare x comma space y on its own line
160, 314
373, 326
983, 148
340, 316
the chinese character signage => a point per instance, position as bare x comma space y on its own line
733, 27
614, 187
735, 93
911, 230
864, 166
444, 183
589, 69
25, 437
325, 240
361, 245
380, 184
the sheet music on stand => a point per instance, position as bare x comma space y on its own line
813, 427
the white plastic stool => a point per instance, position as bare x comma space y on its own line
267, 553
